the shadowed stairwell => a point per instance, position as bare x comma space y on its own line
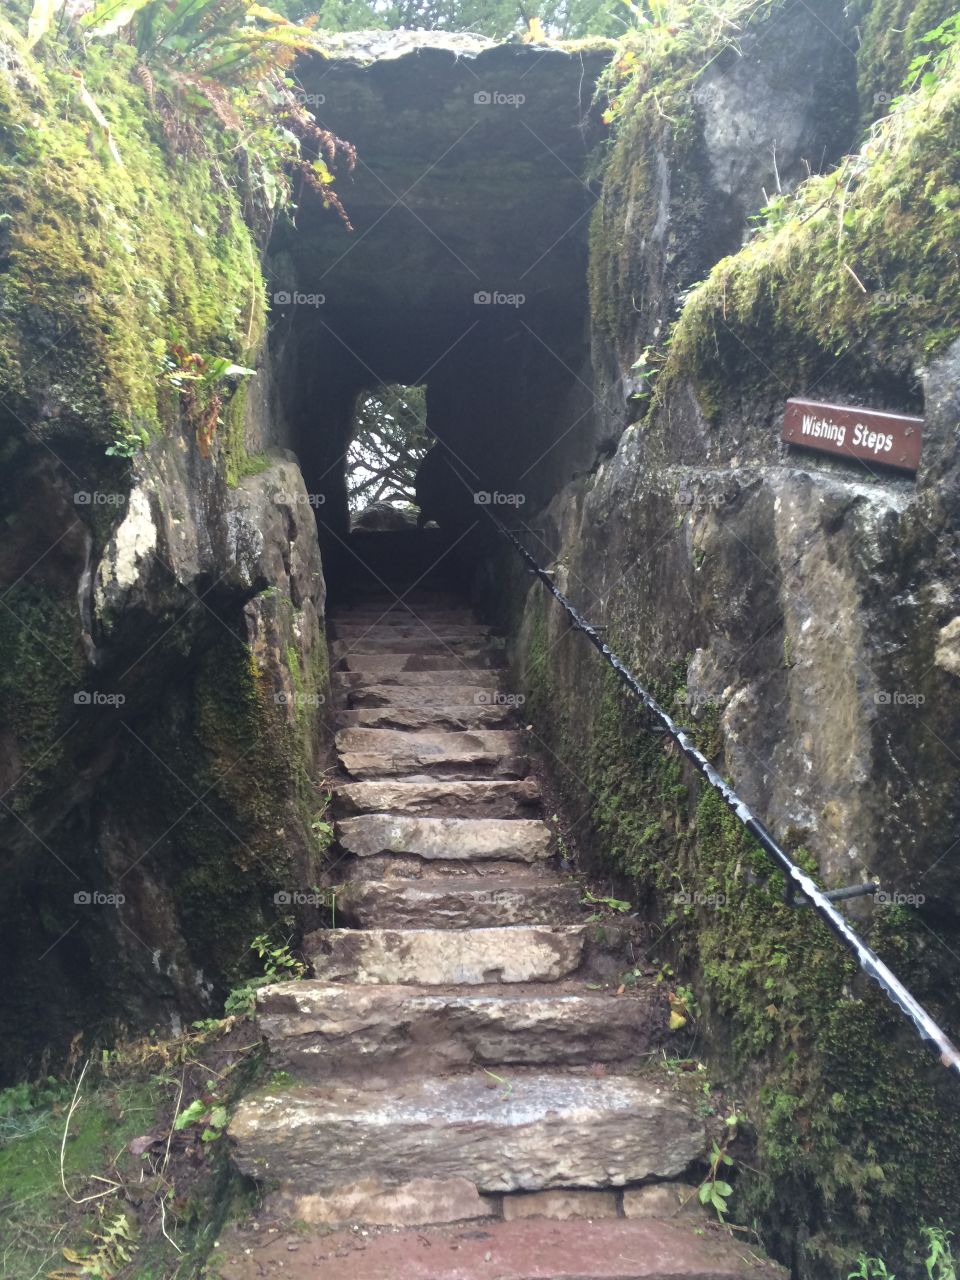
463, 1056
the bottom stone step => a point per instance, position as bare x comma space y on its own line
532, 1249
512, 1130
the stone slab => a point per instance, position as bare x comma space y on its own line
324, 1031
446, 957
526, 1131
456, 903
452, 839
436, 797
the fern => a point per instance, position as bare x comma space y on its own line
114, 1245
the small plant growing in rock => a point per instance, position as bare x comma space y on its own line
870, 1269
715, 1190
279, 965
939, 1260
611, 904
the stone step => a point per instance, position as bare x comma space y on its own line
474, 680
405, 610
446, 957
332, 1032
526, 1131
529, 1249
372, 753
400, 866
481, 691
461, 660
434, 797
482, 715
405, 620
451, 839
376, 639
457, 903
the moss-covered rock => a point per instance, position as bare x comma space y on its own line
857, 267
114, 248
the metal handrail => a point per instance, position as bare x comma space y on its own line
798, 882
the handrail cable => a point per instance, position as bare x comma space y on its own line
797, 879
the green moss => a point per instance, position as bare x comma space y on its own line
35, 1209
853, 1118
889, 34
861, 262
42, 669
107, 261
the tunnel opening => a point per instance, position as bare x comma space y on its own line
388, 442
465, 277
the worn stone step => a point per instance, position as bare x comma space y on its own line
376, 639
530, 1249
398, 866
457, 903
329, 1031
371, 753
414, 621
528, 1130
404, 611
515, 797
446, 957
482, 690
452, 839
475, 680
461, 660
435, 797
483, 715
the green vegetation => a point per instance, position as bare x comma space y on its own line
99, 1177
140, 165
855, 263
389, 443
567, 19
850, 1118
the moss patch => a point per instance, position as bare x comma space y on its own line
858, 266
853, 1119
107, 262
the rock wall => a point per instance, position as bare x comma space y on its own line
162, 665
799, 615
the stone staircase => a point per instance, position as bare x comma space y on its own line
469, 1098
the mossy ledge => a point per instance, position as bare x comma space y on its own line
856, 267
110, 254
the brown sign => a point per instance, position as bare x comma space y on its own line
891, 439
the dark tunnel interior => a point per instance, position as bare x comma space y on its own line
466, 271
